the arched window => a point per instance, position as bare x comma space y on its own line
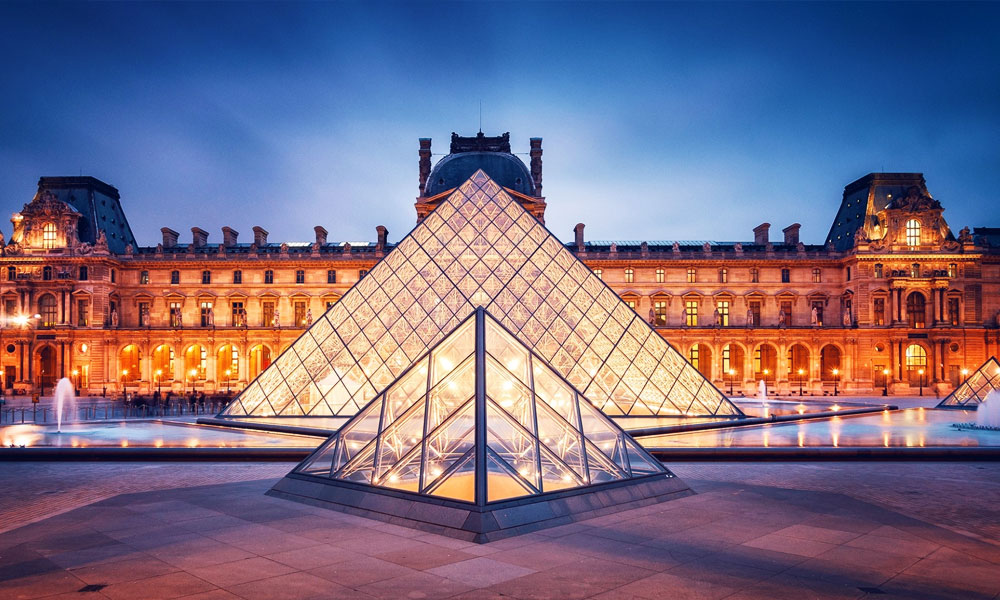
913, 232
49, 235
916, 310
916, 361
48, 309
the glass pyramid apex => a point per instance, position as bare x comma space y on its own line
480, 419
972, 392
480, 247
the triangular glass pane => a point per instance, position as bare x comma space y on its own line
449, 443
501, 481
561, 439
971, 392
450, 353
509, 394
404, 393
451, 393
459, 483
556, 475
397, 440
514, 446
639, 461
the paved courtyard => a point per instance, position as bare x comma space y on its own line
797, 531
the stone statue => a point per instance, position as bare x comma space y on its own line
964, 236
814, 317
676, 247
276, 319
309, 317
749, 318
211, 317
652, 317
782, 318
847, 318
114, 318
614, 247
717, 317
738, 247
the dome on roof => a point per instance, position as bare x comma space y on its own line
453, 170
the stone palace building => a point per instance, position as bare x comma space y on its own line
893, 300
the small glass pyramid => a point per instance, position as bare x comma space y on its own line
480, 248
973, 390
480, 419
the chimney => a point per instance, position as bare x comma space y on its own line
578, 234
320, 234
425, 162
383, 234
199, 237
259, 236
229, 236
169, 237
760, 234
536, 164
791, 234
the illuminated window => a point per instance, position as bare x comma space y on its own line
143, 277
879, 313
269, 276
691, 313
878, 271
915, 270
207, 318
629, 276
267, 314
913, 232
175, 314
237, 277
916, 361
599, 273
755, 275
723, 307
726, 365
818, 275
952, 270
239, 314
723, 275
692, 276
49, 235
660, 276
631, 303
300, 276
693, 356
299, 313
48, 308
660, 313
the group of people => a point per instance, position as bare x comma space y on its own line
164, 400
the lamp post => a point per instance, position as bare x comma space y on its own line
76, 381
125, 383
229, 372
921, 373
159, 380
885, 382
3, 383
194, 376
801, 371
731, 372
836, 376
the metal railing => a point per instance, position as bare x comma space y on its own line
106, 411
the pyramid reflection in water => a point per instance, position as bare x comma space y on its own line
972, 392
480, 248
480, 439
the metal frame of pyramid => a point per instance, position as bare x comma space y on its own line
972, 392
480, 247
480, 439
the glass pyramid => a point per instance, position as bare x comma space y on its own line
480, 419
480, 248
973, 390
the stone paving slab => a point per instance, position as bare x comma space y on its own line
752, 531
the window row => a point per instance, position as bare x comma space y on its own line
722, 274
206, 276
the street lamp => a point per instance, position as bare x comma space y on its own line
228, 373
836, 376
885, 382
159, 380
125, 382
921, 373
194, 375
76, 381
731, 373
801, 371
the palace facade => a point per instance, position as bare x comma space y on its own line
892, 300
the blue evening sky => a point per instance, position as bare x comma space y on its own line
660, 121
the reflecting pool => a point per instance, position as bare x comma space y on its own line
148, 434
913, 427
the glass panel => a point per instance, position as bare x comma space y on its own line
397, 440
358, 434
452, 351
460, 482
556, 475
561, 439
510, 394
507, 351
555, 393
640, 463
511, 444
411, 388
501, 481
451, 393
449, 443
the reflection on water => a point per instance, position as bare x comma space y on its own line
148, 434
914, 427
